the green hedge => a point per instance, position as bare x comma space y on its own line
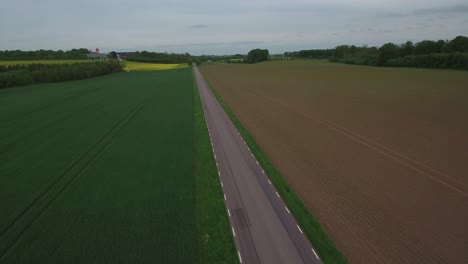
17, 75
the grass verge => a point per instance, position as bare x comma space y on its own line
214, 238
309, 224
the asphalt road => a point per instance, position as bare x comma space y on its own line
264, 230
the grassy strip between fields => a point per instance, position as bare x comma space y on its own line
214, 238
310, 225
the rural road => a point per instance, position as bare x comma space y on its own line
264, 230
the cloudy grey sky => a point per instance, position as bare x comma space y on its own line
224, 27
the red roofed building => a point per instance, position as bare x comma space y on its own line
94, 52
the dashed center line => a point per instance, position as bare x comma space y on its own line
263, 171
240, 258
229, 213
269, 182
315, 254
277, 194
233, 232
225, 197
300, 230
285, 207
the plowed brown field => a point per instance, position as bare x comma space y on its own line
379, 155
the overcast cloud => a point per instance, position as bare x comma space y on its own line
224, 27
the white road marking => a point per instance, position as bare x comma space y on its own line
214, 155
315, 254
277, 194
287, 210
257, 162
222, 184
219, 173
233, 232
252, 155
229, 212
269, 181
216, 164
225, 197
263, 171
299, 229
248, 148
240, 259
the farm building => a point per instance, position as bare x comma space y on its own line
124, 55
96, 55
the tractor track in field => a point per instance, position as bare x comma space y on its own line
18, 137
45, 106
14, 231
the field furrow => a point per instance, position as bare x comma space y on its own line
377, 155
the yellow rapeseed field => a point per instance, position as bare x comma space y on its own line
142, 66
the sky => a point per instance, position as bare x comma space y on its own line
220, 27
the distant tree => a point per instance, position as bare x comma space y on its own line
447, 48
257, 55
387, 52
113, 55
341, 51
43, 54
440, 45
407, 49
460, 44
426, 47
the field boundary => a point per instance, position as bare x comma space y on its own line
214, 237
310, 225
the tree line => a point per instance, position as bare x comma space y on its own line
158, 57
428, 54
74, 54
254, 56
17, 75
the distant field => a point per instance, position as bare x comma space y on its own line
378, 155
143, 66
103, 171
21, 62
